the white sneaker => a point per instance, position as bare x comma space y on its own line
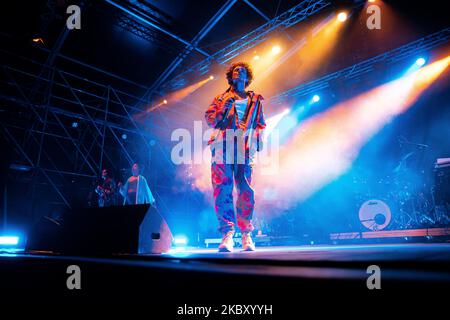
247, 242
227, 243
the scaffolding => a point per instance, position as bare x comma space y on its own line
63, 125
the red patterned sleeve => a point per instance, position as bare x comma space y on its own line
214, 113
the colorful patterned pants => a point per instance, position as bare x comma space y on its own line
224, 177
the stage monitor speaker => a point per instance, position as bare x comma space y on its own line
112, 230
154, 233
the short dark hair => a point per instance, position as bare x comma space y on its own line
240, 64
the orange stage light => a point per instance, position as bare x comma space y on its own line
342, 16
276, 49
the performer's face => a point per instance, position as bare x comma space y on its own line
104, 173
135, 170
240, 74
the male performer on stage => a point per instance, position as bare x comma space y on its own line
238, 119
106, 190
136, 190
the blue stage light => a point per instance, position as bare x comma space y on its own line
415, 66
420, 62
124, 136
180, 240
316, 98
9, 240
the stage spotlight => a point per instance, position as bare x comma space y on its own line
256, 57
342, 16
180, 240
9, 240
211, 77
276, 49
165, 101
124, 136
74, 124
371, 0
38, 40
315, 98
420, 62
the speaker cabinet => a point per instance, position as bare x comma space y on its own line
109, 230
154, 233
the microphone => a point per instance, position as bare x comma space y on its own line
227, 109
231, 99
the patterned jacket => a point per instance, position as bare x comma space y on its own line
252, 123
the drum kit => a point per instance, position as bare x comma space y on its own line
375, 215
407, 197
403, 199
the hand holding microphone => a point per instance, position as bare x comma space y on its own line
228, 103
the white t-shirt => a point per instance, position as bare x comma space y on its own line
241, 105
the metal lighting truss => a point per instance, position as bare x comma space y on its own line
357, 70
292, 16
138, 19
142, 30
188, 49
143, 17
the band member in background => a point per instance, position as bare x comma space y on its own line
235, 111
106, 190
136, 190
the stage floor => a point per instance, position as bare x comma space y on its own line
277, 261
335, 268
327, 253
